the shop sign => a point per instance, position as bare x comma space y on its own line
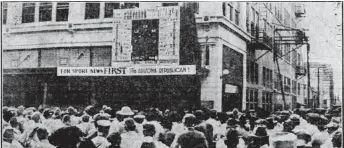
127, 71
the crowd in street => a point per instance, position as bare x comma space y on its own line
151, 128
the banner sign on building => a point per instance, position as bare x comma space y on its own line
146, 36
127, 71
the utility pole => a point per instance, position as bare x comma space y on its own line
308, 77
318, 98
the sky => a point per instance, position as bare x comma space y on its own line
321, 20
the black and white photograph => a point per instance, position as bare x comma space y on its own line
171, 74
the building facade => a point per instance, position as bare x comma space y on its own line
247, 32
237, 66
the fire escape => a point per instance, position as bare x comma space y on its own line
271, 40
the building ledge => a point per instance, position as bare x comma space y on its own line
231, 25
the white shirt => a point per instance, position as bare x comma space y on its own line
129, 138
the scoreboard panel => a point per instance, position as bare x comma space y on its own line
146, 36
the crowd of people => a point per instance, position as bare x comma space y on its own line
151, 128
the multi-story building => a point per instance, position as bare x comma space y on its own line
238, 41
143, 57
322, 80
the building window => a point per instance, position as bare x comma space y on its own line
230, 12
28, 13
267, 101
4, 12
169, 4
294, 56
286, 84
251, 98
294, 85
298, 59
109, 7
325, 102
287, 52
207, 55
237, 17
92, 10
62, 11
131, 5
253, 74
298, 88
45, 10
224, 8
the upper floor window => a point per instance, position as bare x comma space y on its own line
237, 17
45, 10
231, 12
28, 13
131, 5
62, 11
4, 12
109, 7
92, 10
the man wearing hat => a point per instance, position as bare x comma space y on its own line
118, 125
8, 140
100, 140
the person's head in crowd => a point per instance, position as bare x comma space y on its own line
57, 113
14, 122
71, 111
322, 123
114, 139
148, 130
199, 116
167, 124
260, 138
207, 130
125, 112
90, 110
192, 139
148, 142
270, 123
232, 138
103, 127
150, 116
223, 117
47, 114
169, 138
288, 126
36, 117
303, 137
42, 133
333, 125
189, 120
252, 113
213, 114
242, 120
139, 118
8, 114
66, 120
85, 118
8, 135
295, 119
232, 123
20, 111
337, 139
129, 124
261, 123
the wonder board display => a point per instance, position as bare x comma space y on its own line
146, 36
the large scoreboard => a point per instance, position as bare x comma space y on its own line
146, 36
